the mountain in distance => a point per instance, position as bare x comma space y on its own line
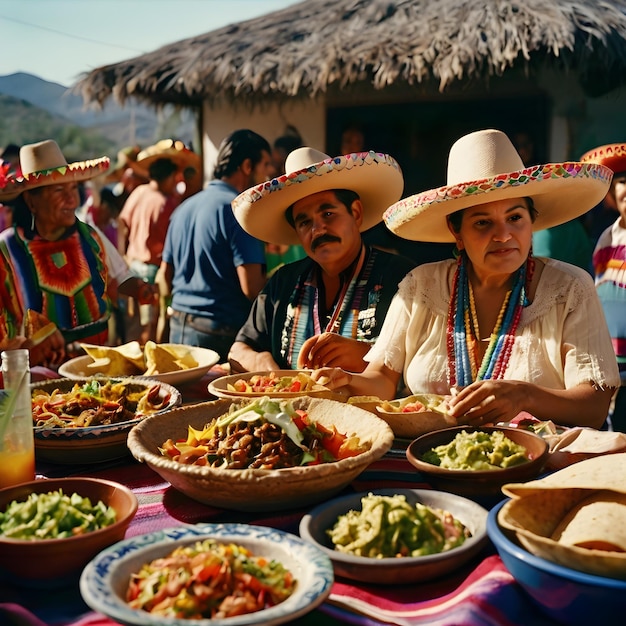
134, 124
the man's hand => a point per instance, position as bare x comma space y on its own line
333, 350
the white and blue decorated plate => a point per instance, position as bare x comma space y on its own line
105, 579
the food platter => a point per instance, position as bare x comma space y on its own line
92, 444
405, 424
397, 570
223, 387
105, 578
79, 367
256, 489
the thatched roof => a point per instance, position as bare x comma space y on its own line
308, 47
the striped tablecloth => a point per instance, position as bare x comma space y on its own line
482, 593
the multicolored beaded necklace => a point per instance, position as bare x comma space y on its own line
463, 333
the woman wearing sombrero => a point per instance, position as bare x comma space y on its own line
499, 330
51, 262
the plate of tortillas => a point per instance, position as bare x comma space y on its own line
168, 362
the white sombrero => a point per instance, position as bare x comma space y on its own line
376, 178
43, 164
484, 166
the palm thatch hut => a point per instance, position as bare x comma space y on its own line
415, 74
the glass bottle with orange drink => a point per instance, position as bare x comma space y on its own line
17, 448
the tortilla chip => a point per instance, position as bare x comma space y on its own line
38, 327
600, 472
162, 358
124, 360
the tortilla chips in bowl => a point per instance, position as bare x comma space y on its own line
275, 384
224, 478
167, 362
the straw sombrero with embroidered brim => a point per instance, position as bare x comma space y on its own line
176, 151
611, 155
376, 178
484, 166
43, 164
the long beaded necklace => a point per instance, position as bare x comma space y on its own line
463, 333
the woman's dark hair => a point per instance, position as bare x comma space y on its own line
236, 148
456, 218
345, 196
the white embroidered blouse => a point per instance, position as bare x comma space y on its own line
562, 339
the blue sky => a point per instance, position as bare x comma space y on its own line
59, 39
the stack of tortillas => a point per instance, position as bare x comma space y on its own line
575, 517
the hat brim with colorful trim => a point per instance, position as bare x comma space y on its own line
560, 191
612, 155
176, 151
375, 177
72, 172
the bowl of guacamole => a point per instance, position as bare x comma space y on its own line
477, 461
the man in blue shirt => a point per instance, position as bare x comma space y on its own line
212, 267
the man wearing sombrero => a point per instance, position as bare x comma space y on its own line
145, 218
51, 262
498, 330
609, 264
328, 308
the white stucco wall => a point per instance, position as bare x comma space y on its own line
308, 117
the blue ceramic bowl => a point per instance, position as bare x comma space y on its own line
564, 594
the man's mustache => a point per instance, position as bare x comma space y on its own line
322, 239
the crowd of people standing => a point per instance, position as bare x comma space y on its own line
147, 253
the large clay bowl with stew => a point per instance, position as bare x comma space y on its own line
478, 483
52, 562
260, 489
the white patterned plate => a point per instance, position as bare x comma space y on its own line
104, 580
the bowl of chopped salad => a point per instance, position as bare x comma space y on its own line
397, 536
215, 574
50, 529
276, 384
87, 420
264, 454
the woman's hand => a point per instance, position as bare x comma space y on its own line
50, 352
333, 350
332, 377
489, 401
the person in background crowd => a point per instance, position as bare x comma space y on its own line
9, 166
609, 264
277, 255
498, 330
144, 221
326, 309
211, 267
50, 261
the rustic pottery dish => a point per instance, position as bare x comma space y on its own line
104, 581
259, 489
